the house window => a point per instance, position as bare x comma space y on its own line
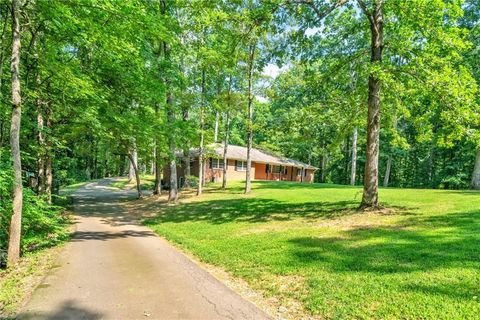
241, 165
267, 168
216, 163
277, 169
299, 172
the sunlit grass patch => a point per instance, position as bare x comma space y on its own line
419, 258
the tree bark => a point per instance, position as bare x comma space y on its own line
17, 196
200, 151
475, 182
354, 157
225, 150
388, 169
251, 59
370, 185
4, 18
133, 163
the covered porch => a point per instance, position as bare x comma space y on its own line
274, 172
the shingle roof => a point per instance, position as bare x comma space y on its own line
240, 153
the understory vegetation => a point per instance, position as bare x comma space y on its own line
44, 224
418, 258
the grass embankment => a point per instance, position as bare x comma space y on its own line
67, 191
307, 248
17, 284
45, 228
146, 183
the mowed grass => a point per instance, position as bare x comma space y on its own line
146, 183
417, 259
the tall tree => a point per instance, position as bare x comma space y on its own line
370, 183
201, 168
16, 219
353, 169
173, 185
250, 97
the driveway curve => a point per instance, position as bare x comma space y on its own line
115, 268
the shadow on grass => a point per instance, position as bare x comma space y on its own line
286, 185
462, 192
254, 210
421, 244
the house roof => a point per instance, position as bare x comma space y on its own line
240, 153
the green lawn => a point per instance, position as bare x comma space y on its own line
146, 183
418, 259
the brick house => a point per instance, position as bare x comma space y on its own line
265, 166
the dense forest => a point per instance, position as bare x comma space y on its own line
371, 92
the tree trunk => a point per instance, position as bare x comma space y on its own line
173, 191
134, 164
475, 182
157, 188
186, 155
354, 157
48, 177
157, 168
386, 179
42, 150
251, 59
95, 160
324, 167
17, 196
121, 166
152, 163
215, 137
200, 151
225, 149
370, 185
3, 119
431, 165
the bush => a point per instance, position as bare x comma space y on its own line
459, 181
192, 181
42, 224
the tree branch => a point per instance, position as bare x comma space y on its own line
364, 8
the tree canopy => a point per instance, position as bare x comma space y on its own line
369, 91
